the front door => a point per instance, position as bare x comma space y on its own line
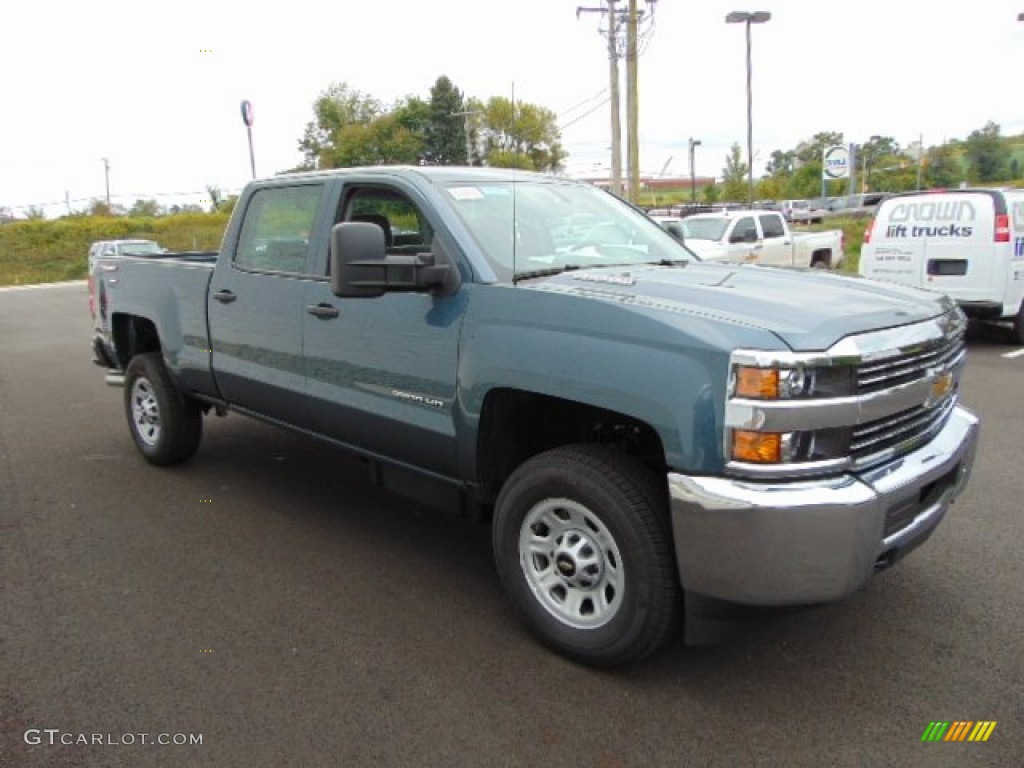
381, 372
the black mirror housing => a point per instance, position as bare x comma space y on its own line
362, 268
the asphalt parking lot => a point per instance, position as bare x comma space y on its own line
269, 599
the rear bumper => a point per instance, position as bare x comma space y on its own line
815, 541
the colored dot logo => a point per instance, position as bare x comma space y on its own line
206, 650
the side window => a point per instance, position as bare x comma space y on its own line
277, 226
406, 230
771, 226
745, 230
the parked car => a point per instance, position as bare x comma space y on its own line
671, 224
861, 204
965, 243
793, 210
123, 248
761, 237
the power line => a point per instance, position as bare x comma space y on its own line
586, 114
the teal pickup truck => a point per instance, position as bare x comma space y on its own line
651, 437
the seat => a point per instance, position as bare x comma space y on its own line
381, 221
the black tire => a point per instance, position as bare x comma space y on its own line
165, 425
1018, 326
593, 514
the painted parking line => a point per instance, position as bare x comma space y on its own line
41, 286
1015, 353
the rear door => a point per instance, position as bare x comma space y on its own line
940, 241
778, 246
257, 302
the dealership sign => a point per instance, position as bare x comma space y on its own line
835, 163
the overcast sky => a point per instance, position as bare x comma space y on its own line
155, 88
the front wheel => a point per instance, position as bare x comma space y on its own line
583, 549
1018, 325
165, 425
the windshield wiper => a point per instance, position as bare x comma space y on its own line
529, 275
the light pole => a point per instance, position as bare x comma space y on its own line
743, 17
106, 176
694, 143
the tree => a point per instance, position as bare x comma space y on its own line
781, 163
337, 109
34, 213
446, 128
942, 166
987, 157
522, 135
149, 208
99, 208
811, 150
711, 193
734, 175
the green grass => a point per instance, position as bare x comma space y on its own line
44, 251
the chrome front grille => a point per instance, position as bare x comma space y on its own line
904, 368
881, 439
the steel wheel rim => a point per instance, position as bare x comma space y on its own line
145, 412
572, 563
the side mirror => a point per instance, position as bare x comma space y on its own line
362, 268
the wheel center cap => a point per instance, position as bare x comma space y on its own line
565, 564
578, 560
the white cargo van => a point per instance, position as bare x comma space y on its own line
966, 243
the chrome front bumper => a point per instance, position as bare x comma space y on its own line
815, 541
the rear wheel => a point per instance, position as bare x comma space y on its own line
165, 425
1018, 325
582, 545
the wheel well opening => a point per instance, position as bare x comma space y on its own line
133, 336
516, 425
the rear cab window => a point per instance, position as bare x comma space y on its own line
276, 230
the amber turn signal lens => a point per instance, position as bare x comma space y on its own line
757, 447
757, 382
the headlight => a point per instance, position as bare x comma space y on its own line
773, 413
771, 383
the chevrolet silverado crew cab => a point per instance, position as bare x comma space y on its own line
965, 243
761, 237
650, 436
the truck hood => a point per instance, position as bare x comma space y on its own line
809, 310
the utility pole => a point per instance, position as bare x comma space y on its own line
106, 174
920, 149
613, 35
637, 25
632, 105
465, 122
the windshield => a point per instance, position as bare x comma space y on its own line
538, 226
705, 229
140, 246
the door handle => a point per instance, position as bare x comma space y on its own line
224, 296
322, 310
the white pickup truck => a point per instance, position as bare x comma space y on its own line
760, 237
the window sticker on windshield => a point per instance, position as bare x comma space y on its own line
466, 193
